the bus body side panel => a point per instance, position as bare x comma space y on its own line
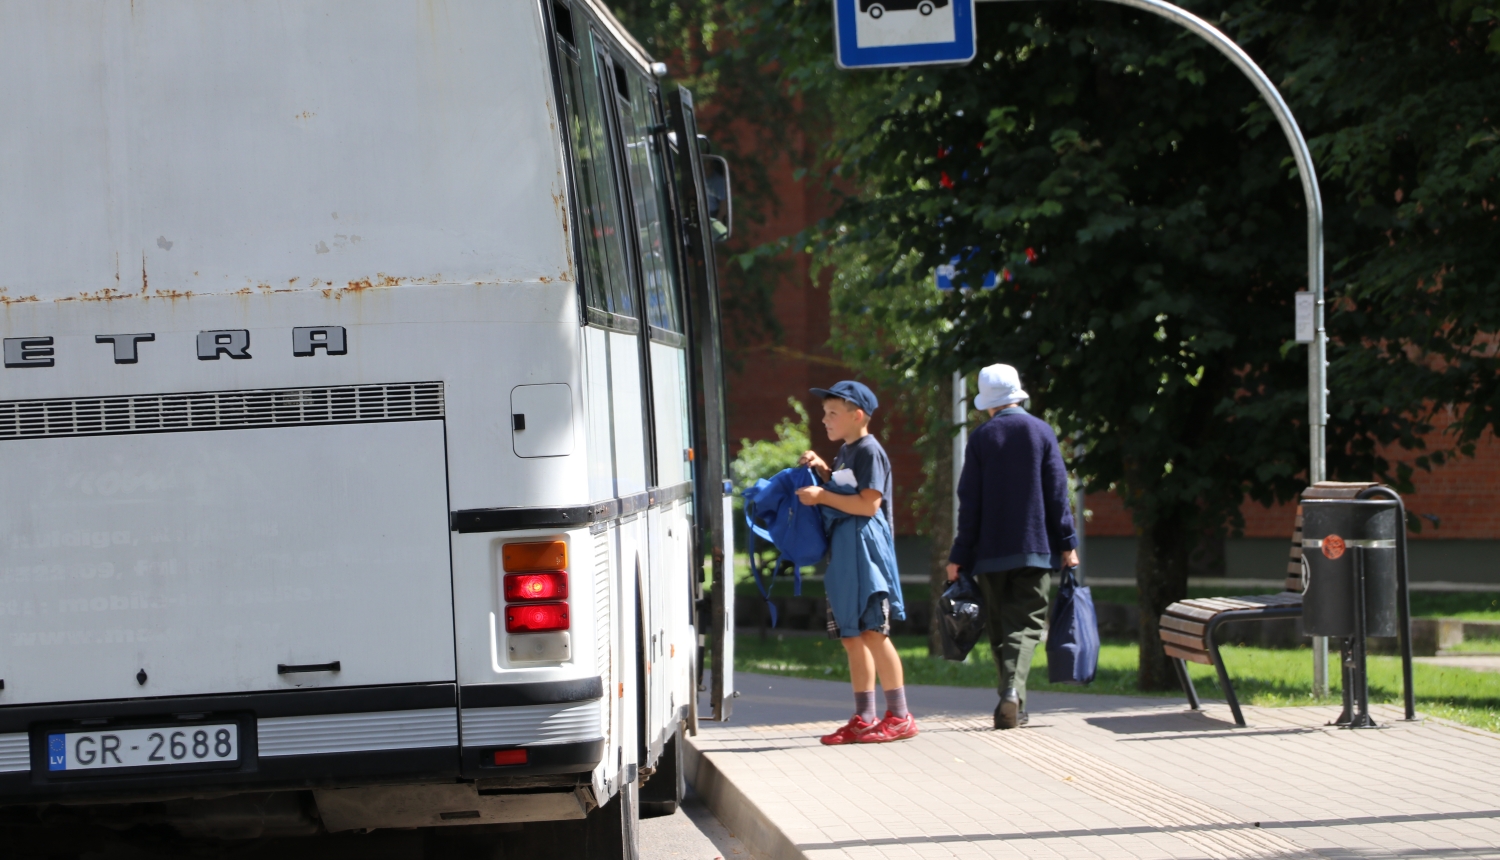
628, 413
678, 649
175, 564
633, 549
669, 390
168, 147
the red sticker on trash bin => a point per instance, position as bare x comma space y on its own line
1333, 546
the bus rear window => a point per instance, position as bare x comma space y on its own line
646, 163
606, 273
562, 19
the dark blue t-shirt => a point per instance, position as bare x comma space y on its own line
872, 470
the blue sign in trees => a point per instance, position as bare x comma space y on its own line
873, 34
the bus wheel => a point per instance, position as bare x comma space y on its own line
662, 793
925, 8
876, 10
613, 831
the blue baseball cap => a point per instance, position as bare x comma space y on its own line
855, 392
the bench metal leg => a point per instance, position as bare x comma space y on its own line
1228, 688
1187, 682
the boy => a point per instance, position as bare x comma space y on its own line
863, 586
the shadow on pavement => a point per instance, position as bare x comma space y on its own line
769, 700
1144, 724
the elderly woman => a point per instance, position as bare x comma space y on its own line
1014, 528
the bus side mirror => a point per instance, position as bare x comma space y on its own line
720, 206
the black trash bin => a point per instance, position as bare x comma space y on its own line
1331, 530
1355, 586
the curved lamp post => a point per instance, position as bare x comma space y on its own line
1317, 354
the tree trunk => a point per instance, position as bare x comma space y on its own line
940, 529
1161, 569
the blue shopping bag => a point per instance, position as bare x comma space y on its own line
1073, 633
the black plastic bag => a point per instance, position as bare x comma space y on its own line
962, 620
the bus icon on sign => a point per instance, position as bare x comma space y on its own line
873, 34
877, 8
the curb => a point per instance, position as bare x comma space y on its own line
744, 820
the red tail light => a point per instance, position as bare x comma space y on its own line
536, 586
536, 617
505, 757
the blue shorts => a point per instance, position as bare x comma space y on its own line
876, 617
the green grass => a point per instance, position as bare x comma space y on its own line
1475, 646
1472, 606
744, 588
1262, 676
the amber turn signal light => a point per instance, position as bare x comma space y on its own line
535, 556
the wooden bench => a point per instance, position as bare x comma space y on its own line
1188, 626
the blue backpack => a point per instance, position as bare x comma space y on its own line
796, 530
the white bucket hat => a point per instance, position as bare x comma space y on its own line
999, 385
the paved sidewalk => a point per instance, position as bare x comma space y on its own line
1095, 776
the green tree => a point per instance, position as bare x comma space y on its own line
765, 457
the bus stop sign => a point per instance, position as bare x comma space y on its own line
873, 34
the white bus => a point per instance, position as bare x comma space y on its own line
361, 434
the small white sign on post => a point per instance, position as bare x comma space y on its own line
1307, 330
873, 34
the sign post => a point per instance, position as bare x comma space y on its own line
876, 34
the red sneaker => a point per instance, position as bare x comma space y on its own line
849, 732
892, 728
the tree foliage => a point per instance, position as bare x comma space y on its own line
1140, 207
711, 47
1138, 203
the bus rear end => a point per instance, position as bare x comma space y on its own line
282, 289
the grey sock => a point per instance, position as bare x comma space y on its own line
895, 702
864, 705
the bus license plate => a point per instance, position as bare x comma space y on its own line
148, 747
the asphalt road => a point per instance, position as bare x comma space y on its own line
691, 834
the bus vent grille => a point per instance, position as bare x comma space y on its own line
601, 601
220, 410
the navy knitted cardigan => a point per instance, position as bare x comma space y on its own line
1013, 497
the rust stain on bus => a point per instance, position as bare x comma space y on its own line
329, 290
108, 294
380, 281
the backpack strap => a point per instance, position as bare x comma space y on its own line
761, 584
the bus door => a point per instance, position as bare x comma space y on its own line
665, 605
618, 467
712, 490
